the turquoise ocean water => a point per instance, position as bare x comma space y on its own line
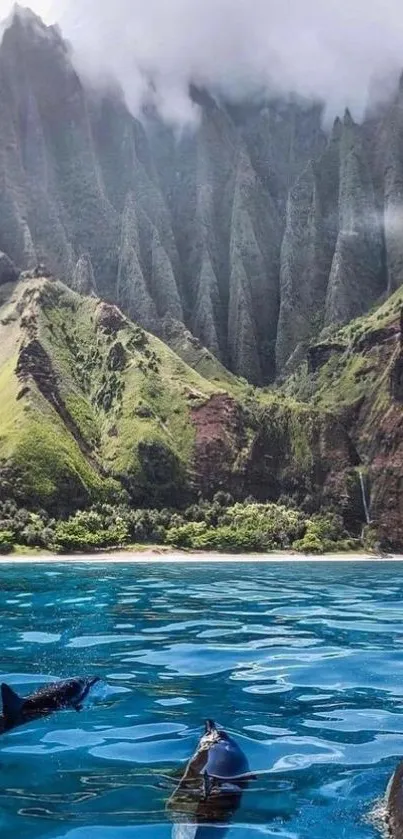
302, 662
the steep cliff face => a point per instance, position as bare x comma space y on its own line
255, 230
226, 187
386, 145
52, 203
358, 378
332, 259
188, 228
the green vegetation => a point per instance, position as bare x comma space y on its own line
6, 541
191, 351
114, 435
87, 531
219, 525
92, 408
263, 528
95, 410
241, 527
356, 370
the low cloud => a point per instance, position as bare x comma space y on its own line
327, 49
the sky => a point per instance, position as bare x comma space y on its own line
334, 50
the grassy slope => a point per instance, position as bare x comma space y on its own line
204, 362
32, 434
147, 401
125, 402
356, 373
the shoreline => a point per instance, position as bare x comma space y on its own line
156, 556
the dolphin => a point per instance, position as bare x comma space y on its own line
210, 790
18, 710
394, 804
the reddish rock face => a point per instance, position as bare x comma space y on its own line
220, 438
257, 457
386, 476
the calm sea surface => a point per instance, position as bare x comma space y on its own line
302, 662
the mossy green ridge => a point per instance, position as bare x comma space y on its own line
93, 409
352, 363
90, 403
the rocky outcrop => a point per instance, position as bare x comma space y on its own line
305, 264
385, 473
320, 354
301, 454
356, 278
220, 437
35, 364
131, 290
253, 281
388, 166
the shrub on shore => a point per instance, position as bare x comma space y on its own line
86, 531
219, 525
6, 541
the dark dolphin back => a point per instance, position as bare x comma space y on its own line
226, 759
195, 812
58, 695
17, 710
54, 695
394, 804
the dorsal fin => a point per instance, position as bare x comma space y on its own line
12, 703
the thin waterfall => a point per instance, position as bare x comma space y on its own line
364, 497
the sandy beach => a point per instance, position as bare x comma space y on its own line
126, 557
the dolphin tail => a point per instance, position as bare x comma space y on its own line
12, 703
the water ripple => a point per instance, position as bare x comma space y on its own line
301, 662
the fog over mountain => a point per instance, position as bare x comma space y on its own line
334, 51
257, 229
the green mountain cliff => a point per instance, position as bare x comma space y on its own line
254, 250
255, 230
356, 374
94, 408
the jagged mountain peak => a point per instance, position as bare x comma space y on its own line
238, 226
26, 16
336, 132
27, 23
348, 119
